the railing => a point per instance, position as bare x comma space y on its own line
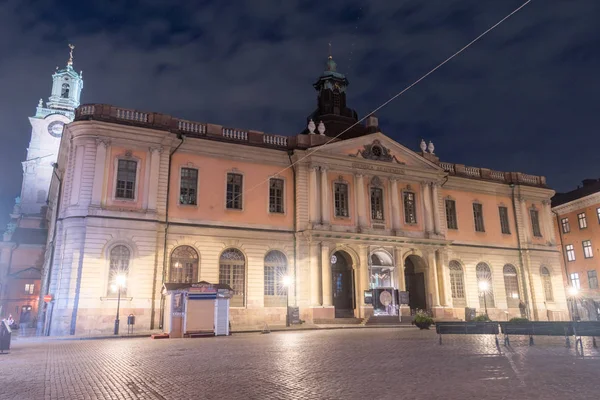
191, 127
497, 175
235, 134
447, 167
473, 171
132, 115
530, 179
275, 140
86, 110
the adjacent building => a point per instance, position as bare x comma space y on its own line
340, 209
23, 248
577, 222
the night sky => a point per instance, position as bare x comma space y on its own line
524, 98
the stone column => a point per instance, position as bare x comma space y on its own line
99, 168
326, 275
399, 269
395, 205
363, 278
526, 228
433, 278
315, 276
77, 174
428, 217
325, 206
436, 208
313, 199
361, 206
548, 222
441, 278
153, 179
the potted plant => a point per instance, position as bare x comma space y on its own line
422, 320
482, 318
517, 320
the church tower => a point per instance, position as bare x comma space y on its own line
47, 126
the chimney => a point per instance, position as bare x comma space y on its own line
372, 124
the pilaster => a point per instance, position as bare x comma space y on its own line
99, 168
313, 205
326, 275
325, 204
362, 209
152, 183
395, 205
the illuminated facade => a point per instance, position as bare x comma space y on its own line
23, 246
577, 223
160, 199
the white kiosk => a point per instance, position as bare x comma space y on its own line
196, 309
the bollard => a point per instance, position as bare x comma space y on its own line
594, 341
440, 339
567, 342
531, 340
506, 340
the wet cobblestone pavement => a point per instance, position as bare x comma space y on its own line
336, 364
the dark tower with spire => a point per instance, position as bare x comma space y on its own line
331, 104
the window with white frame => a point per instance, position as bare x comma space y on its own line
234, 191
511, 286
118, 270
484, 285
575, 282
410, 210
451, 221
276, 195
582, 219
126, 174
570, 252
478, 217
504, 226
587, 249
232, 272
340, 199
457, 283
377, 203
188, 187
184, 265
593, 279
566, 227
535, 222
29, 288
547, 283
276, 269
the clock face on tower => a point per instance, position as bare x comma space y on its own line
56, 128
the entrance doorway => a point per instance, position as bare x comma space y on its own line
382, 278
342, 280
415, 282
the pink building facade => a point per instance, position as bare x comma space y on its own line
341, 209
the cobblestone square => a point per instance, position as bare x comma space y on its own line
325, 364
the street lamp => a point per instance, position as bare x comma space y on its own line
484, 286
287, 282
573, 291
120, 280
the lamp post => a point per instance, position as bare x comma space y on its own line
573, 291
484, 286
287, 281
119, 284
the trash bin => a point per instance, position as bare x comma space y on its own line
5, 335
131, 319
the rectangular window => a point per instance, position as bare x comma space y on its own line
570, 252
575, 280
410, 211
276, 195
126, 171
188, 186
29, 287
593, 279
451, 221
535, 223
587, 249
234, 191
478, 217
582, 220
340, 199
566, 227
505, 228
377, 204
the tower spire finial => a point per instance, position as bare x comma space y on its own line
70, 62
330, 57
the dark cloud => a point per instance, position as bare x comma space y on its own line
523, 98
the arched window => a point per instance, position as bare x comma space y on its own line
184, 265
65, 91
547, 283
275, 270
457, 284
232, 272
118, 273
511, 285
485, 286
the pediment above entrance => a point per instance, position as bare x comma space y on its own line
379, 148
